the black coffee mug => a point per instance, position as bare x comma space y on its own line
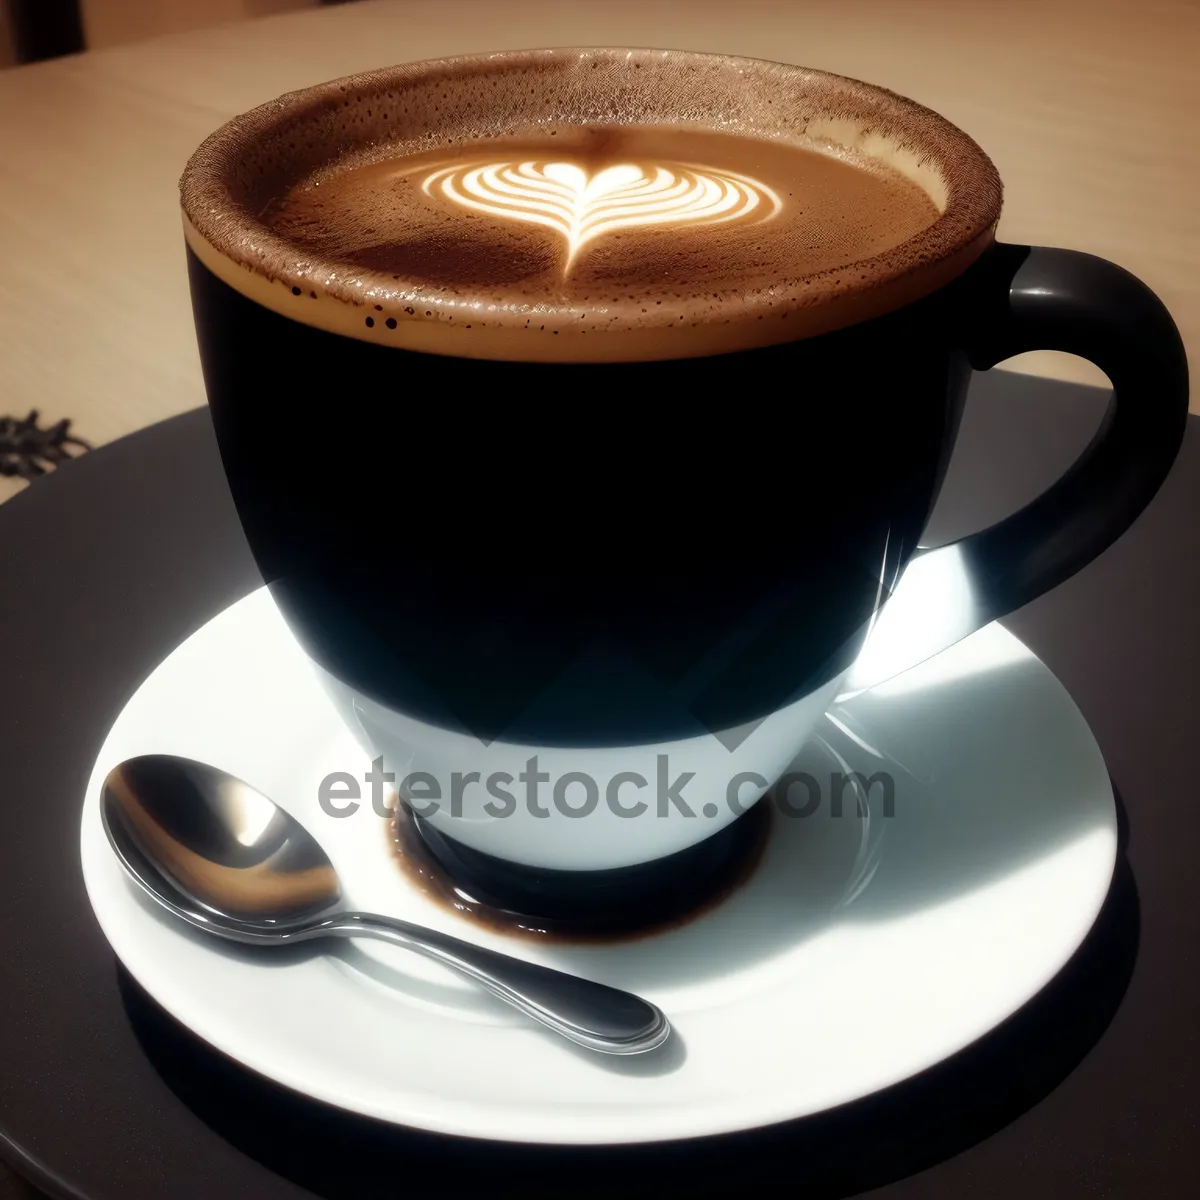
574, 584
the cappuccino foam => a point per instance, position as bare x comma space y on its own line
588, 205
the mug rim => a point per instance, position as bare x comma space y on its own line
224, 229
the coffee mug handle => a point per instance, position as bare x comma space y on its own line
1033, 298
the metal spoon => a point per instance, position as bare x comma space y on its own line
222, 857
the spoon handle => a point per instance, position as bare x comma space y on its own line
590, 1014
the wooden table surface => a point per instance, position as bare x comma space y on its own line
1086, 106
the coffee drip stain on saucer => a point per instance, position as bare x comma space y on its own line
739, 850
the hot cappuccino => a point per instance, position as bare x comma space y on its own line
595, 230
595, 207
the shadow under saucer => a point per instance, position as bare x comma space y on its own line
871, 1142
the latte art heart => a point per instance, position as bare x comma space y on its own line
582, 207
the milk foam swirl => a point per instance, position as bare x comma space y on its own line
582, 207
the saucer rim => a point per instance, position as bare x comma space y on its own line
472, 1119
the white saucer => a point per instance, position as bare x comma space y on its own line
826, 977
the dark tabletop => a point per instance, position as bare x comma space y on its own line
1092, 1090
